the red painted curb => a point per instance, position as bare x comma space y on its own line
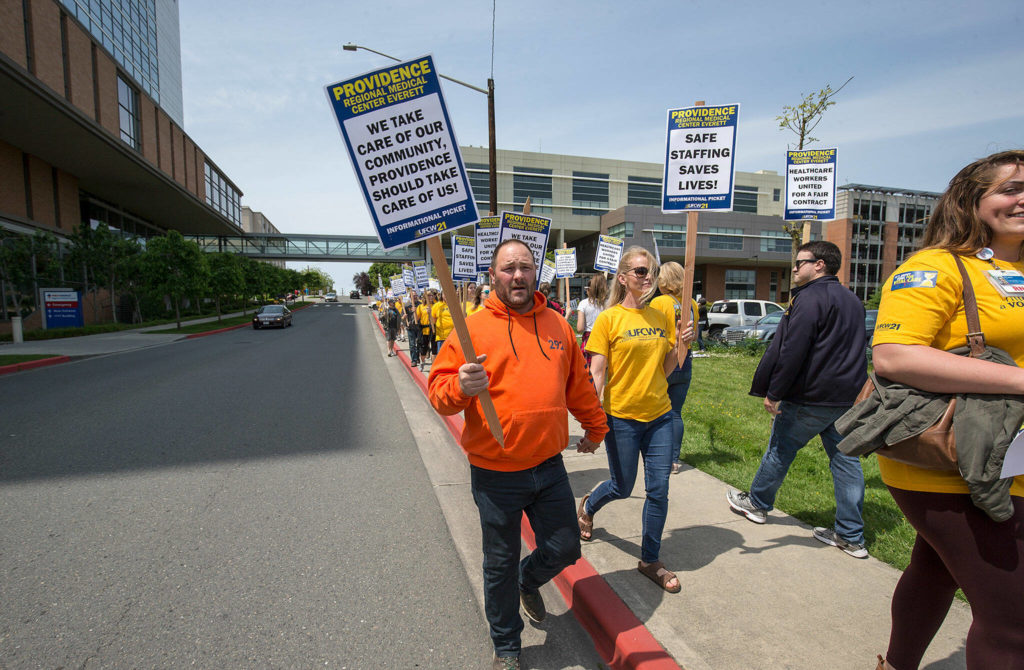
219, 330
28, 365
620, 638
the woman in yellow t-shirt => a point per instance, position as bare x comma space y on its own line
423, 319
443, 323
980, 218
633, 352
671, 278
477, 303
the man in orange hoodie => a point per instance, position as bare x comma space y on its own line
535, 374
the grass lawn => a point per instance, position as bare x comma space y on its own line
727, 431
11, 359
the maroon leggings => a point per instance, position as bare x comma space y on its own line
959, 545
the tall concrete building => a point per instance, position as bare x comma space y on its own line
91, 124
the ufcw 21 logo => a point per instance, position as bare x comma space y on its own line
915, 279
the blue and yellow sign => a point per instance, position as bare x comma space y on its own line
400, 140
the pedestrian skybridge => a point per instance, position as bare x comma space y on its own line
286, 247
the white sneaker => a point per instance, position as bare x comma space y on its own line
740, 502
828, 536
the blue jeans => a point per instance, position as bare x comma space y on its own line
626, 441
414, 348
678, 386
791, 430
543, 492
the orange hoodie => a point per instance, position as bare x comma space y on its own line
537, 375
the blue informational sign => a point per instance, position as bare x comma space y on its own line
699, 166
529, 229
811, 184
400, 140
62, 308
463, 258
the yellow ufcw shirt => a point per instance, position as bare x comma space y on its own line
635, 342
922, 304
443, 323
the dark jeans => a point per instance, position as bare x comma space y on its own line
678, 387
414, 349
543, 493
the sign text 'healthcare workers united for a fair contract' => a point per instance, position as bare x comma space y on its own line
811, 184
699, 158
402, 146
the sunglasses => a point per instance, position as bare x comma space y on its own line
800, 261
639, 272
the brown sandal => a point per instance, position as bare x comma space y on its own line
657, 573
586, 521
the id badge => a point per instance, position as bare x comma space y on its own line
1009, 283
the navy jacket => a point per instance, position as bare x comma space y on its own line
818, 354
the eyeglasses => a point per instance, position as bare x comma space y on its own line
800, 261
639, 272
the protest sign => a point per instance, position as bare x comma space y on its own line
811, 184
488, 230
699, 154
397, 285
609, 251
547, 271
531, 230
463, 258
408, 276
419, 268
565, 263
403, 148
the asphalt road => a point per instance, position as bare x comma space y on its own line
249, 500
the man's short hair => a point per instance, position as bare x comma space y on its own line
510, 241
824, 251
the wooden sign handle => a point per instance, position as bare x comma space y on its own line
444, 276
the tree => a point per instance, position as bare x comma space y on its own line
361, 280
226, 277
315, 279
802, 120
23, 260
174, 267
382, 271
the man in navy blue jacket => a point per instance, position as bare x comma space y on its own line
809, 377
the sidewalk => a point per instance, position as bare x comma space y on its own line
109, 343
753, 596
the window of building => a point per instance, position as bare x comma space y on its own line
644, 191
128, 112
776, 194
621, 230
912, 213
589, 193
532, 183
221, 195
777, 241
739, 283
744, 199
717, 239
773, 286
869, 210
480, 182
671, 235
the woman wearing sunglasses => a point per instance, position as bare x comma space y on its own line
634, 350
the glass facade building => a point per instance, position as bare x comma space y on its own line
144, 38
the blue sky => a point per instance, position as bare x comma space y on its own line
936, 84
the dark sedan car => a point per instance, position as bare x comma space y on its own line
272, 315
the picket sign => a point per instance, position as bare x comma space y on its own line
689, 265
444, 275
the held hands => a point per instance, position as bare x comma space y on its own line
472, 377
684, 334
585, 446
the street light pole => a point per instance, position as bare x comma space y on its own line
492, 153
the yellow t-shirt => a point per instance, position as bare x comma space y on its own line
635, 342
668, 306
423, 317
470, 309
443, 323
922, 303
